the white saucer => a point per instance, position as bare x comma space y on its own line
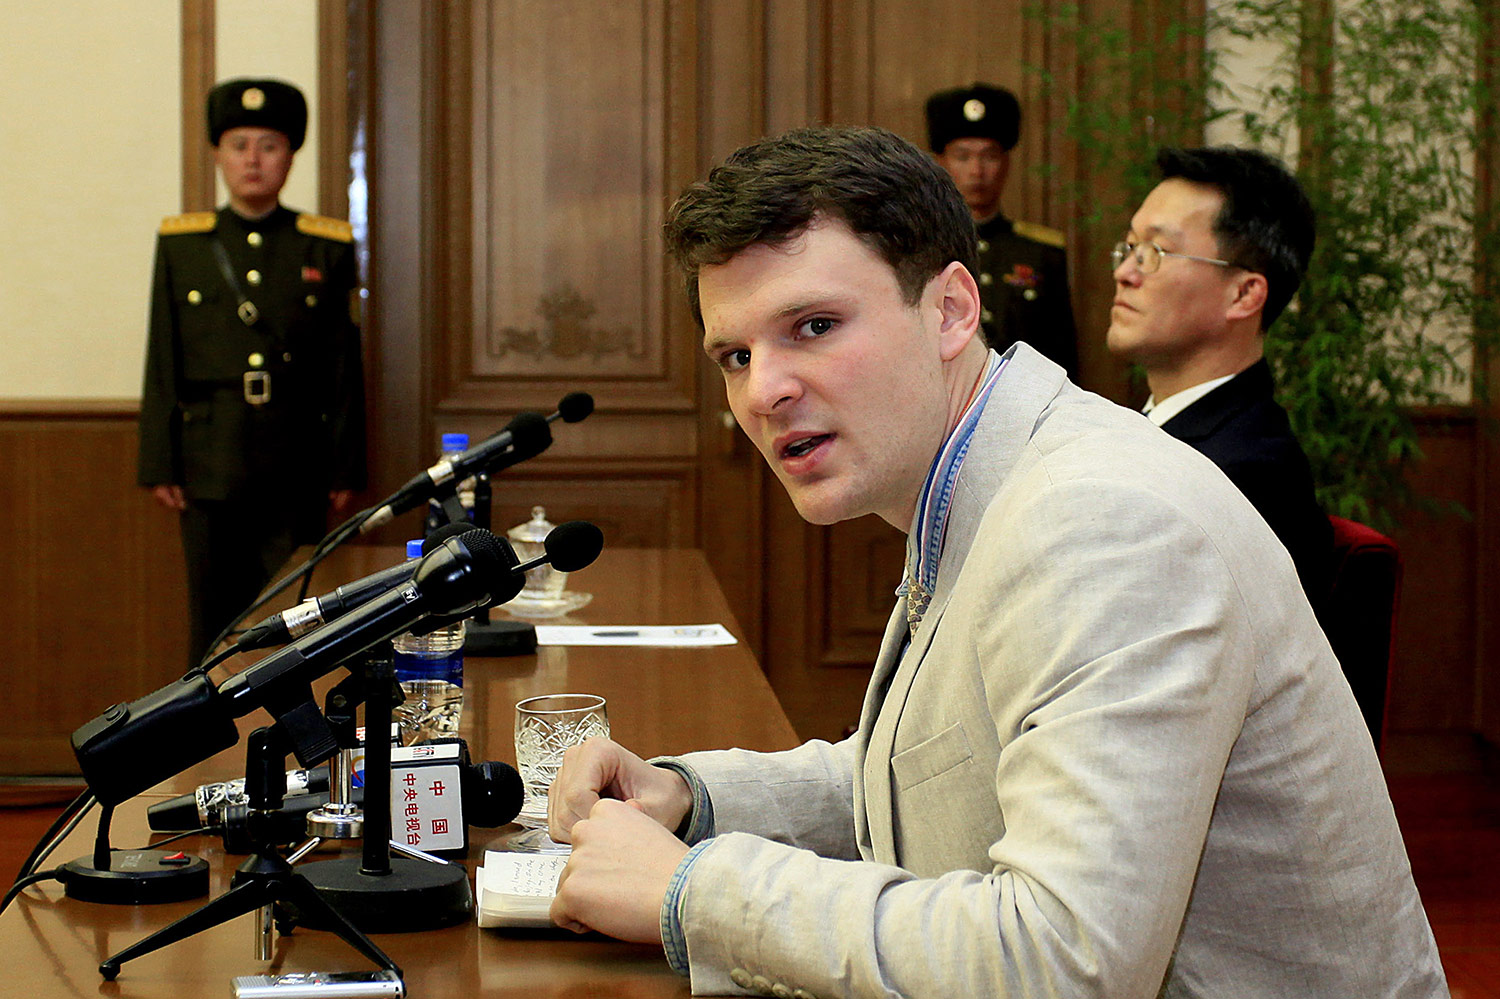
564, 603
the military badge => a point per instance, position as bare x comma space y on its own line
253, 98
1023, 276
974, 109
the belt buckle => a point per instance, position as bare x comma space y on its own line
257, 387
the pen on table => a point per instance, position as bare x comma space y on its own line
616, 634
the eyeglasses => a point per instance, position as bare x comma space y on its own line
1148, 256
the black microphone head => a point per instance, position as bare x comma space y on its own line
466, 572
575, 406
529, 434
445, 532
573, 545
493, 794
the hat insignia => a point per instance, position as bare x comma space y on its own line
974, 109
254, 98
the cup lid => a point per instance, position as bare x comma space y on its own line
534, 530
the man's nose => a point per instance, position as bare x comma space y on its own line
772, 384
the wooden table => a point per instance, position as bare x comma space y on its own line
660, 701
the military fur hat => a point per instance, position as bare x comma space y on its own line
980, 111
257, 103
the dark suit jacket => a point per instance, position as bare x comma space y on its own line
1242, 429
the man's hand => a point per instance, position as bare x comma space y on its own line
618, 875
600, 768
169, 496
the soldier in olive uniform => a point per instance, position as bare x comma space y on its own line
1023, 268
252, 411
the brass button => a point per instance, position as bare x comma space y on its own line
254, 239
311, 300
802, 994
253, 277
287, 357
781, 991
1029, 294
256, 359
740, 977
761, 984
985, 279
195, 296
984, 246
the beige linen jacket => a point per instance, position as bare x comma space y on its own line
1118, 759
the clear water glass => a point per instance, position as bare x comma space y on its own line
546, 726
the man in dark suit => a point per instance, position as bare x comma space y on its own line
1213, 255
1023, 267
252, 410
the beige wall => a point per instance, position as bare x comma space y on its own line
90, 160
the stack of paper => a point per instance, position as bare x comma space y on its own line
516, 889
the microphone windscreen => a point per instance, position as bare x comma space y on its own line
575, 406
445, 532
493, 794
573, 545
530, 434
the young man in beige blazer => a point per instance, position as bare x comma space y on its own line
1106, 750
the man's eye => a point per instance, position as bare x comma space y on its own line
733, 360
817, 327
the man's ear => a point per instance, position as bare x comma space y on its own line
958, 298
1250, 291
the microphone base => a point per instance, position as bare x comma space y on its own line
499, 638
135, 877
416, 895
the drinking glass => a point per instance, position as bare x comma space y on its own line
545, 727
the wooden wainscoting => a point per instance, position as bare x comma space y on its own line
91, 577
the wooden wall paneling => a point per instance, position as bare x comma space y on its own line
722, 108
1433, 674
333, 113
390, 109
569, 138
93, 579
1487, 279
634, 509
197, 79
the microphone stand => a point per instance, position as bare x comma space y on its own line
483, 637
263, 880
372, 891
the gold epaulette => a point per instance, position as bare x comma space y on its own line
177, 225
321, 225
1041, 234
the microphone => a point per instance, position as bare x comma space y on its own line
315, 611
208, 803
526, 436
569, 547
490, 795
131, 747
278, 629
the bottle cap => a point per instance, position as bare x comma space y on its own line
455, 442
414, 548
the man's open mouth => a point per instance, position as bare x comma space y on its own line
801, 446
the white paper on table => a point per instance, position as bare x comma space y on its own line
658, 635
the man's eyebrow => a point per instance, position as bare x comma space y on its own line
1157, 230
712, 345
